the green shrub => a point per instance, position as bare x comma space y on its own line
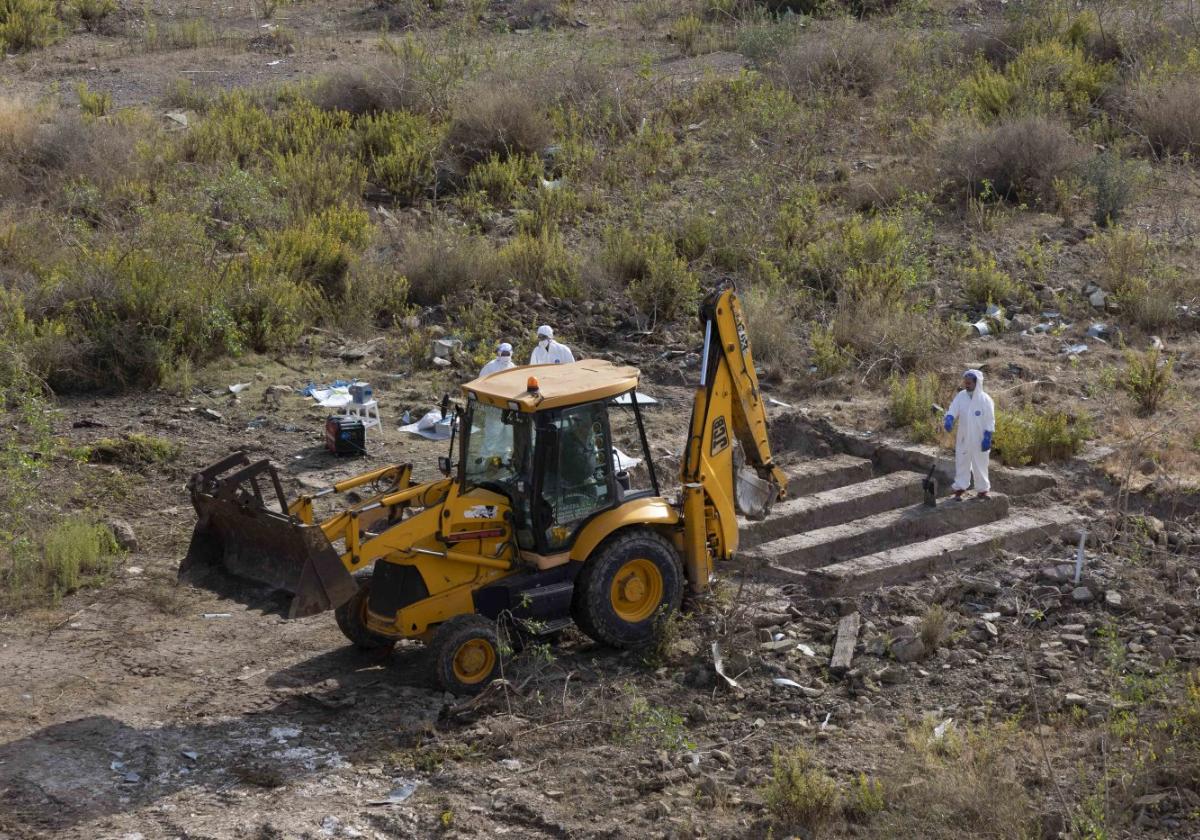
686, 32
540, 261
984, 282
400, 149
93, 103
92, 12
864, 800
268, 309
1147, 378
28, 25
133, 450
547, 206
1112, 182
865, 259
799, 795
694, 235
910, 405
828, 357
1046, 77
503, 179
74, 550
1132, 269
772, 322
321, 251
657, 278
883, 338
1028, 436
312, 180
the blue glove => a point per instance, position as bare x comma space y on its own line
987, 441
949, 422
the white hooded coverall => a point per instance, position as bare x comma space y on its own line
496, 365
550, 352
974, 413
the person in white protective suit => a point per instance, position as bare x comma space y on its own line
503, 360
975, 414
547, 351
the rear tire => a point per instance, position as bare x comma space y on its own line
466, 654
352, 618
627, 587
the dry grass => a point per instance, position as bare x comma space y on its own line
839, 55
502, 121
1017, 160
441, 265
1168, 116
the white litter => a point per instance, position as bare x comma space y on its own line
404, 789
237, 388
282, 733
786, 683
218, 615
779, 403
939, 731
432, 426
622, 461
643, 399
719, 666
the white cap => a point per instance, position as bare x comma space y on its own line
545, 331
505, 349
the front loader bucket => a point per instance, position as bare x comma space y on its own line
238, 537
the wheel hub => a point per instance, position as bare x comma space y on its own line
637, 590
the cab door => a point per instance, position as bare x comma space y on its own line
574, 473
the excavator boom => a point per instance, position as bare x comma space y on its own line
728, 406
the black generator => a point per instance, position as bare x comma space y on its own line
345, 435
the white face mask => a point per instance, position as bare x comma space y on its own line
546, 342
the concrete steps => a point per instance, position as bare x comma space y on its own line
833, 507
827, 474
843, 530
905, 563
889, 529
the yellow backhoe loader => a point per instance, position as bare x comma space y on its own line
551, 513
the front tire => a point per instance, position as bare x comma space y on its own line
627, 587
466, 654
352, 618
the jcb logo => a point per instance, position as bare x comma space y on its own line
743, 340
720, 436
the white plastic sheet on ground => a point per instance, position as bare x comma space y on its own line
432, 426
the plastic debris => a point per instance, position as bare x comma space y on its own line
939, 731
218, 615
282, 733
643, 399
1075, 349
192, 755
238, 387
1079, 555
786, 683
778, 403
131, 778
404, 789
719, 666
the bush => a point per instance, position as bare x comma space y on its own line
1147, 378
772, 323
1016, 161
92, 12
1027, 436
865, 259
657, 278
910, 405
499, 122
133, 450
1112, 183
441, 265
401, 152
800, 796
74, 550
409, 78
1131, 268
1168, 116
28, 24
842, 55
502, 179
540, 261
686, 32
93, 103
864, 800
1046, 77
984, 282
320, 251
884, 338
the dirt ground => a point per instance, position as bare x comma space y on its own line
149, 709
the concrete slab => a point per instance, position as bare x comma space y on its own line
905, 563
832, 507
870, 534
1013, 482
823, 474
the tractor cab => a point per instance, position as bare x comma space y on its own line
551, 440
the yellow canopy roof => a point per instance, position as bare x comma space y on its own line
584, 381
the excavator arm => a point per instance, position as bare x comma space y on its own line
727, 406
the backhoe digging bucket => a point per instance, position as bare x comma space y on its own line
239, 537
753, 496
